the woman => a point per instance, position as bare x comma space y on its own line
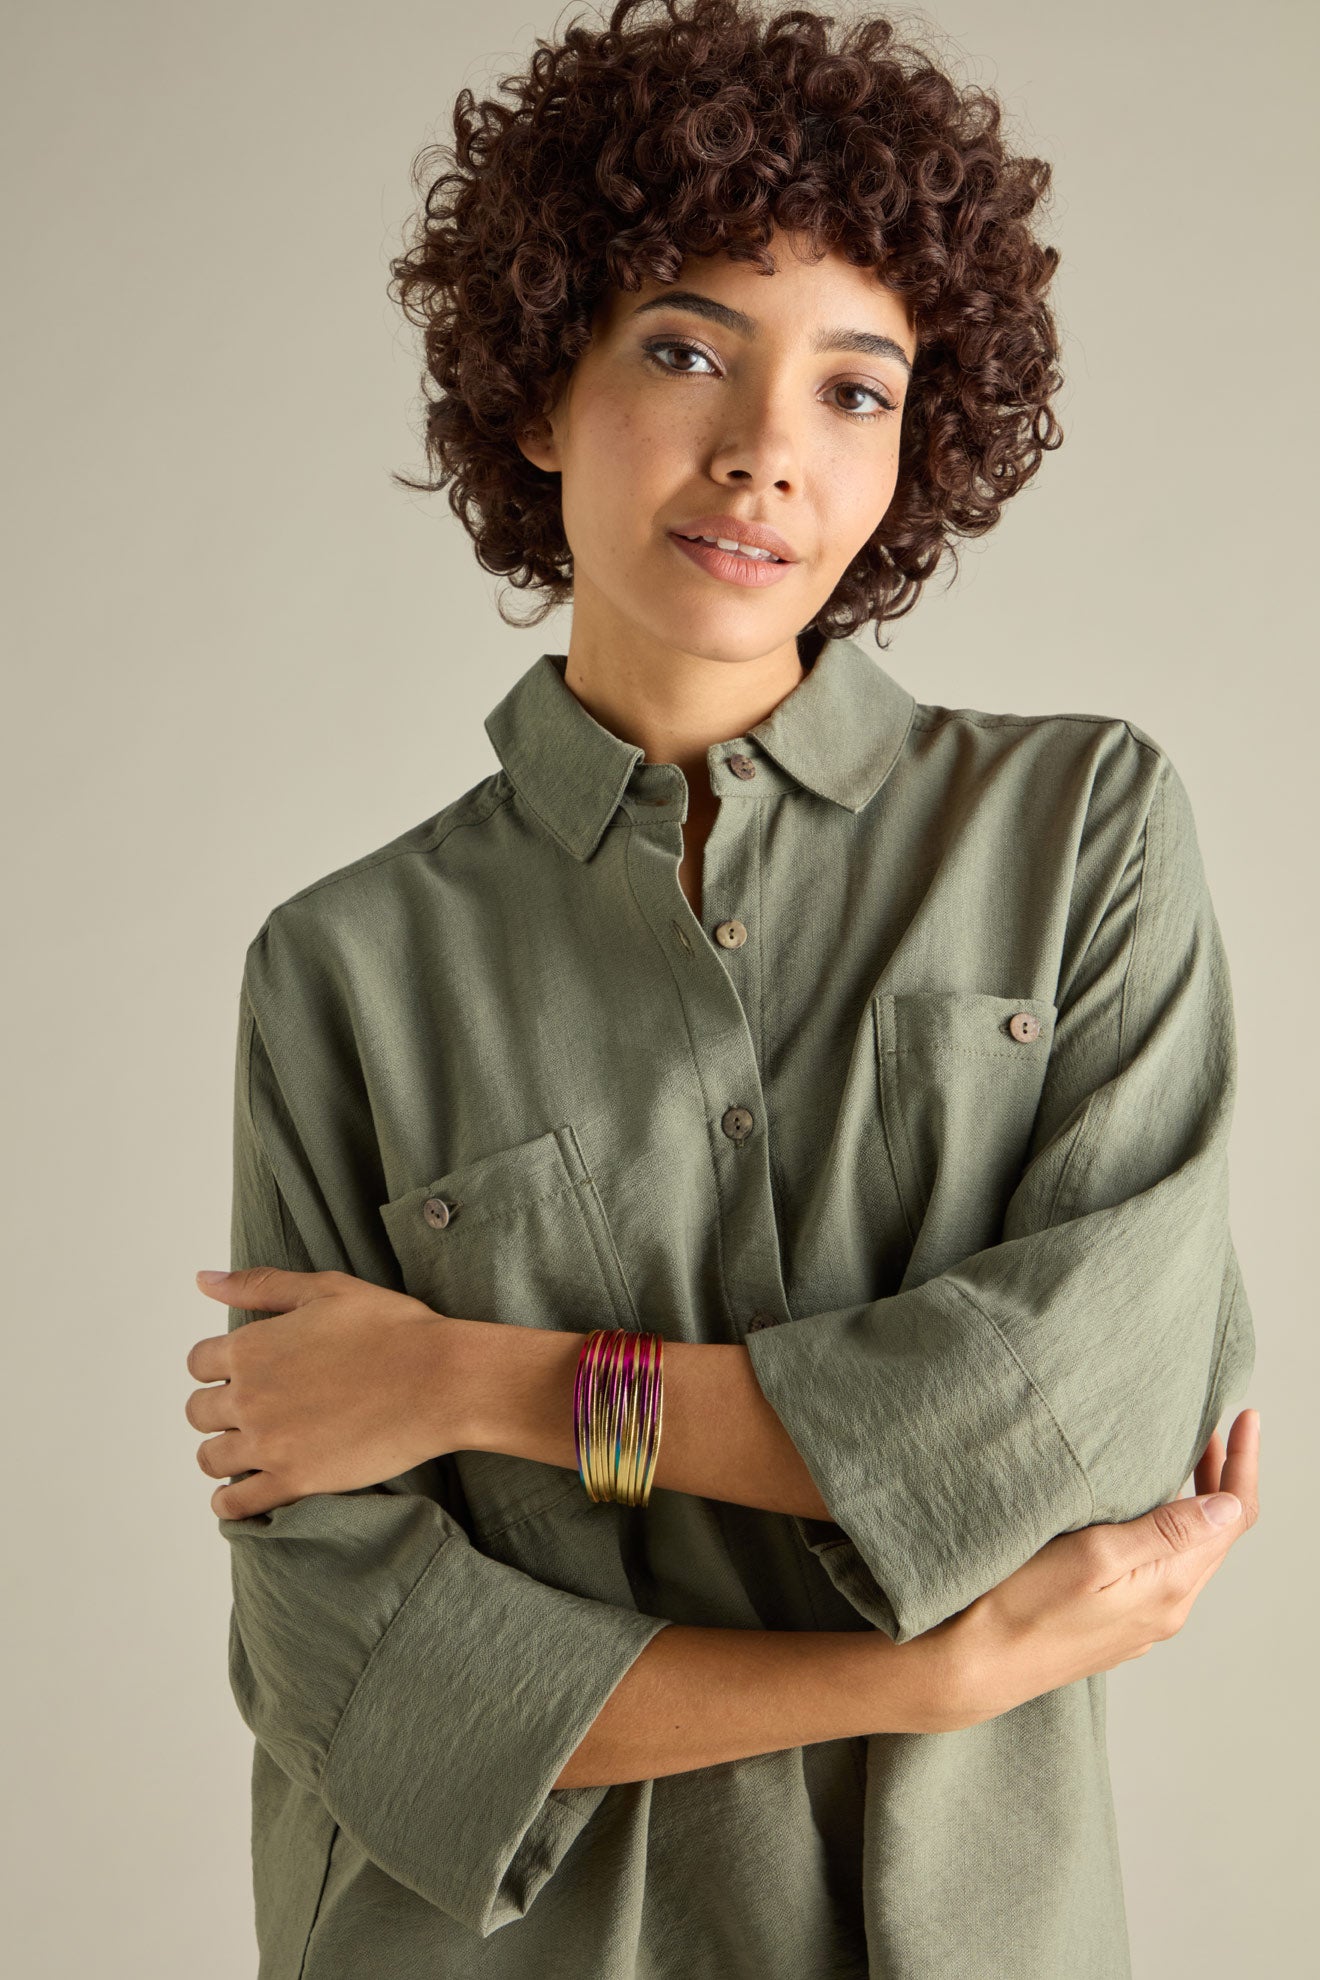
855, 1070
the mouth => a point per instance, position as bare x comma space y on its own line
730, 566
753, 556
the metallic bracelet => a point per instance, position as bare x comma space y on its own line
618, 1405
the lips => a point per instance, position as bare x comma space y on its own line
745, 530
739, 552
730, 566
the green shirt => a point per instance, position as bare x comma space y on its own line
930, 1107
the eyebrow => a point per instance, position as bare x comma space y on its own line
871, 342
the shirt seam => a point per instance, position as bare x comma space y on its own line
376, 1649
1151, 854
953, 1286
370, 861
928, 716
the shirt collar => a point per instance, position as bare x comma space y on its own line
837, 733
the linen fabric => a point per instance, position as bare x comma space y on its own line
974, 1237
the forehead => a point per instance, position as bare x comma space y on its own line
803, 294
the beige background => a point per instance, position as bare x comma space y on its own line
241, 657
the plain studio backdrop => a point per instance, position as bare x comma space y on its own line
239, 657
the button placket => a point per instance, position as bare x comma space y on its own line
721, 1008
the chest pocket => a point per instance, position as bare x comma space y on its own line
960, 1076
518, 1236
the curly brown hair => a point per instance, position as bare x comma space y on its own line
702, 131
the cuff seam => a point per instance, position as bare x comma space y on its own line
952, 1285
375, 1651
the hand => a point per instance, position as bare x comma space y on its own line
346, 1384
1095, 1598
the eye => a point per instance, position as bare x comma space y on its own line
652, 354
882, 404
652, 351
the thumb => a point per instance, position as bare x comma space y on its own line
1162, 1533
265, 1288
1175, 1528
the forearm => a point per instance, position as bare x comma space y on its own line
720, 1438
698, 1697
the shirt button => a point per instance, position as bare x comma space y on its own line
760, 1319
737, 1123
437, 1212
741, 766
730, 934
1024, 1027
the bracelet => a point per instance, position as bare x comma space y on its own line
618, 1406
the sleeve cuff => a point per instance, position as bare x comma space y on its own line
442, 1765
942, 1465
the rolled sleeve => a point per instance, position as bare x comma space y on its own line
429, 1694
1072, 1372
443, 1765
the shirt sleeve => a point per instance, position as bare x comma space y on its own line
1070, 1374
429, 1694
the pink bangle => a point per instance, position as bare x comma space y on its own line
618, 1405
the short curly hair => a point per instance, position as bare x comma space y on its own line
624, 149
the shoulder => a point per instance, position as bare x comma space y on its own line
351, 919
1099, 763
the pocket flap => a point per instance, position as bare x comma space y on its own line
964, 1021
495, 1185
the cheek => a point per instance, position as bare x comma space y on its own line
866, 485
626, 460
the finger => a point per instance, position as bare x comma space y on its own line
1209, 1465
1164, 1534
1237, 1479
226, 1456
264, 1288
257, 1493
211, 1409
208, 1360
1241, 1473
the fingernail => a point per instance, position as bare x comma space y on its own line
1222, 1509
212, 1278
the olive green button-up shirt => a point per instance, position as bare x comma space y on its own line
943, 1141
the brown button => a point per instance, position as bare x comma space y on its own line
737, 1123
741, 766
1024, 1027
760, 1319
437, 1212
730, 934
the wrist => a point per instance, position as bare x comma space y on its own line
515, 1389
942, 1692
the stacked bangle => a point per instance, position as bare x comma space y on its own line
618, 1402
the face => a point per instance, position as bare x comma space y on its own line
771, 399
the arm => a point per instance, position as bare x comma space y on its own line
362, 1622
700, 1697
1086, 1602
721, 1439
931, 1442
1070, 1372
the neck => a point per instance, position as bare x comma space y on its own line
676, 709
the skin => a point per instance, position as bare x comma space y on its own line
348, 1384
662, 653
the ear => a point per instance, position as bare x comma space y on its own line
537, 443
